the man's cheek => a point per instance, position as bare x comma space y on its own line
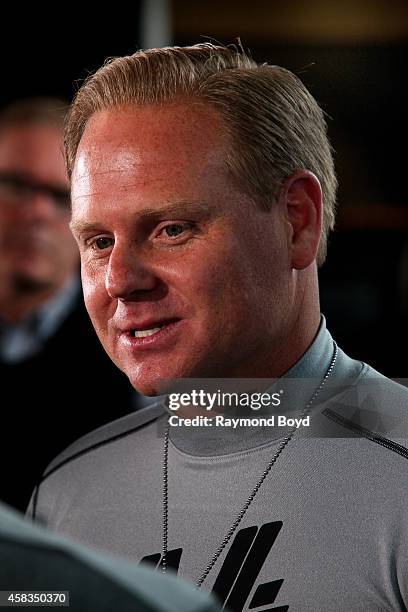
93, 281
93, 298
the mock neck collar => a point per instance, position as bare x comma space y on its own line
298, 385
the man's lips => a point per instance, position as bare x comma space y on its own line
149, 333
141, 325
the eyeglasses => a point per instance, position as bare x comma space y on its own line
18, 188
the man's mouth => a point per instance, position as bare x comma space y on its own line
143, 333
150, 328
158, 334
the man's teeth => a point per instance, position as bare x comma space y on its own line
145, 332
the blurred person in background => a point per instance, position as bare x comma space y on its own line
44, 330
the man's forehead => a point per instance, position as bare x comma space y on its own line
97, 163
129, 146
176, 127
124, 171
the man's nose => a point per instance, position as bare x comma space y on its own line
128, 273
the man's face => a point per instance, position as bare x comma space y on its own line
183, 275
36, 244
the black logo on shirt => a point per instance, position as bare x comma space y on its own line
240, 570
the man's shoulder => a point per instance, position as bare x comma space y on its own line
361, 374
107, 434
365, 403
380, 388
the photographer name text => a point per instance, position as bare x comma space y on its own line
222, 421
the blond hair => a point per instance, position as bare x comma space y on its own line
275, 125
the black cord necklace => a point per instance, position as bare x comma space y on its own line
284, 442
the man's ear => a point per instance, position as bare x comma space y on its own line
302, 196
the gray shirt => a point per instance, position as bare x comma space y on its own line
327, 530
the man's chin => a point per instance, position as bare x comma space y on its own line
149, 389
152, 386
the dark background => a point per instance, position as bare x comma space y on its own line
353, 58
49, 52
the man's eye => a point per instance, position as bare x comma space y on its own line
174, 230
103, 243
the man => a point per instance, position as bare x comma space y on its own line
39, 567
202, 194
44, 329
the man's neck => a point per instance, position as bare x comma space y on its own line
294, 389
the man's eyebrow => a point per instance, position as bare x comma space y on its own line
175, 209
78, 227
